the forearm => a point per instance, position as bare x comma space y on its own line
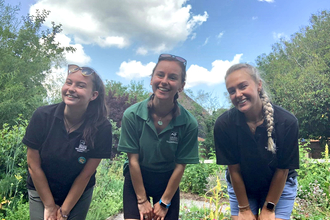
238, 185
277, 185
41, 184
39, 178
77, 189
79, 185
136, 177
173, 183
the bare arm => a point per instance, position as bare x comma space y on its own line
144, 205
40, 183
79, 185
240, 191
275, 191
172, 185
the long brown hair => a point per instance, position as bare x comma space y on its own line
96, 111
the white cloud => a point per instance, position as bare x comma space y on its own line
254, 17
193, 36
206, 41
220, 35
155, 25
79, 57
197, 75
270, 1
142, 51
278, 36
135, 69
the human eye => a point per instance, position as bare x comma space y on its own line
160, 74
243, 86
173, 77
81, 85
68, 82
231, 91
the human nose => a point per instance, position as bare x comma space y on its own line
72, 88
238, 93
164, 80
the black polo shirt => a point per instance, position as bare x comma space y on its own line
235, 144
63, 155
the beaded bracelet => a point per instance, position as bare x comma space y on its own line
63, 216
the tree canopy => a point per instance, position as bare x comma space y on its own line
297, 72
27, 54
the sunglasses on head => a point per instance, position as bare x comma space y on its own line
180, 59
86, 71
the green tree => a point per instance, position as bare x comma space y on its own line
297, 72
27, 54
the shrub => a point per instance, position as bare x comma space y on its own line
13, 166
313, 199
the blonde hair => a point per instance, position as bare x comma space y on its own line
267, 107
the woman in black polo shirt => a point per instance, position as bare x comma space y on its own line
66, 143
259, 142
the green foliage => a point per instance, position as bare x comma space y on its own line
195, 176
297, 73
107, 196
20, 211
313, 197
13, 165
208, 144
135, 90
27, 53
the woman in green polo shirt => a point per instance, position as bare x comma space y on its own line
160, 138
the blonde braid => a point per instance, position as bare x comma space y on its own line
269, 115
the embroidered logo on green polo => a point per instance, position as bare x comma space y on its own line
82, 160
174, 139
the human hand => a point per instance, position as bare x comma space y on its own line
50, 212
265, 214
59, 214
159, 212
146, 211
246, 215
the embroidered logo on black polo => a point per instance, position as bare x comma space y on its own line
173, 138
82, 148
82, 160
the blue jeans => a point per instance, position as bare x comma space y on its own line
283, 208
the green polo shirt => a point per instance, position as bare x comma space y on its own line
176, 144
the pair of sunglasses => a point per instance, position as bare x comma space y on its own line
86, 71
180, 59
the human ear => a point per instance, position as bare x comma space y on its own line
182, 86
95, 95
259, 86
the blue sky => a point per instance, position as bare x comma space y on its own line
122, 39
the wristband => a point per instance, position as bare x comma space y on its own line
142, 202
163, 204
63, 216
243, 206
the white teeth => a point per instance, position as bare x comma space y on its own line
163, 89
70, 96
242, 101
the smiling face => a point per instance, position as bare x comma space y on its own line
77, 90
243, 91
166, 80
